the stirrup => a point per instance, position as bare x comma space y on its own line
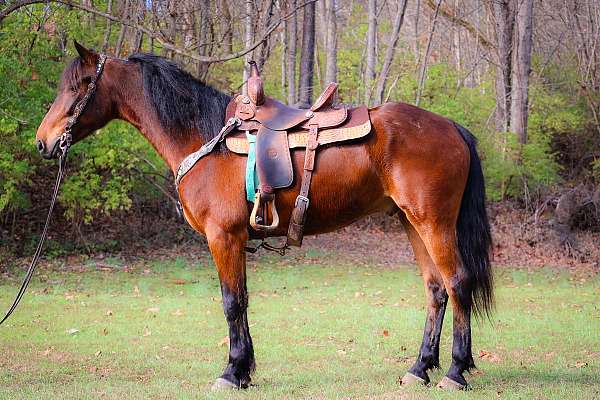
259, 227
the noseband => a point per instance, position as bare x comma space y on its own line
64, 144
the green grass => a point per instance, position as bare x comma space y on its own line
156, 331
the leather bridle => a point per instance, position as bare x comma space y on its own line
66, 138
64, 143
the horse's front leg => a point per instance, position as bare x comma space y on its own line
228, 252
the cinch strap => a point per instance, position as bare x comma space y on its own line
251, 173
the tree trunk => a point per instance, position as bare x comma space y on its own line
456, 41
307, 57
140, 13
202, 37
504, 15
125, 15
391, 50
108, 27
265, 49
292, 38
423, 73
371, 50
248, 38
227, 26
416, 47
331, 42
284, 51
521, 70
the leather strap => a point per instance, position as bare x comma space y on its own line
188, 163
298, 218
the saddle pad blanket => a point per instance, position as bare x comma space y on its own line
238, 143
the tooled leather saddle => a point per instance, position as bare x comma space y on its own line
279, 128
274, 128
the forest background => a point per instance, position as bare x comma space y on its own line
522, 75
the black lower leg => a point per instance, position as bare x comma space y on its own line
429, 353
241, 353
462, 356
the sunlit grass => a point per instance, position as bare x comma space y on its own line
157, 331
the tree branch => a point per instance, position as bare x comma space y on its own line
450, 15
169, 46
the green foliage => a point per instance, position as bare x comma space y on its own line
105, 171
106, 175
596, 168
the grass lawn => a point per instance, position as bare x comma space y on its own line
322, 329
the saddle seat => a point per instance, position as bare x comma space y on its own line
268, 129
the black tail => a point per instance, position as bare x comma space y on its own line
473, 231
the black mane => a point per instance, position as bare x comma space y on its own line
182, 102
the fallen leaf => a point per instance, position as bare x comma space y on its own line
105, 331
153, 310
580, 364
72, 331
386, 332
109, 313
489, 356
179, 281
224, 341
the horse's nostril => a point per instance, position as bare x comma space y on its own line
40, 146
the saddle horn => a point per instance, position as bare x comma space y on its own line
256, 91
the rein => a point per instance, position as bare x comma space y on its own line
64, 143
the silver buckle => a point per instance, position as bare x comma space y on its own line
302, 198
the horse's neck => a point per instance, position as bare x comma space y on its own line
134, 109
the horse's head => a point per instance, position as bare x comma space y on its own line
73, 88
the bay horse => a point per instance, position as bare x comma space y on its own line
417, 164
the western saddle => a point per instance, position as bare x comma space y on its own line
266, 131
279, 128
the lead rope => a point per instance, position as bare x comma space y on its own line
64, 145
38, 252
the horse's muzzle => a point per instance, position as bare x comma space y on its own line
47, 153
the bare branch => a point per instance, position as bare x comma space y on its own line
451, 16
151, 34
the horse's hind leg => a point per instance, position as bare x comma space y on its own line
228, 252
440, 240
437, 298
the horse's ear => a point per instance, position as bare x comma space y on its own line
87, 55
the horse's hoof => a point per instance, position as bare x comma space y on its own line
222, 384
410, 379
450, 384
